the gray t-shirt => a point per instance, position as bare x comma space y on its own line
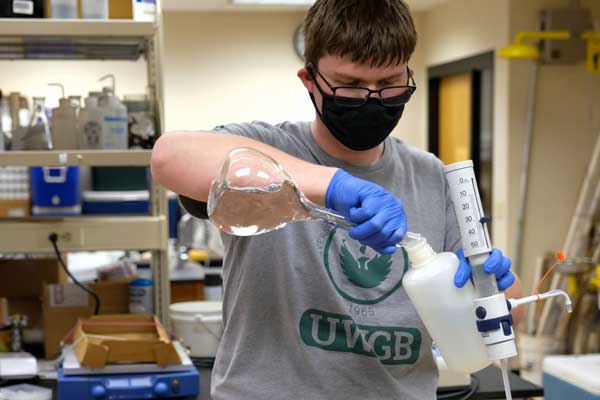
309, 313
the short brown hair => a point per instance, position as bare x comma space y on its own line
377, 32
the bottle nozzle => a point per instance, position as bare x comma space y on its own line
60, 85
417, 248
536, 297
113, 80
410, 237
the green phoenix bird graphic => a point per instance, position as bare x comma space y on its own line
365, 272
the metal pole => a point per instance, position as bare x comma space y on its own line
525, 157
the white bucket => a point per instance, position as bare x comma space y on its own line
532, 351
199, 324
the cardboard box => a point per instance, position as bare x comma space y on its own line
118, 339
31, 307
64, 304
120, 9
182, 291
22, 285
14, 208
27, 278
3, 311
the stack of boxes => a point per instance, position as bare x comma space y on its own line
14, 192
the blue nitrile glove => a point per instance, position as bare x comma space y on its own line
496, 264
379, 216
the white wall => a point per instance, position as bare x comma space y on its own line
412, 126
232, 67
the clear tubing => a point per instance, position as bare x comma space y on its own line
485, 284
504, 364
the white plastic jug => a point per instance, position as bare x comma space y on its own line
115, 124
144, 10
91, 125
63, 126
448, 312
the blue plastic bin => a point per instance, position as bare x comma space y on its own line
55, 191
134, 202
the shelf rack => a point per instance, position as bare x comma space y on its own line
74, 39
35, 39
83, 233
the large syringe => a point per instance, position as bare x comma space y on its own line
492, 309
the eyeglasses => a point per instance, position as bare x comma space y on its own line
352, 96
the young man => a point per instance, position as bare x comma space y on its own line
310, 311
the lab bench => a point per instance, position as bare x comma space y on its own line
490, 385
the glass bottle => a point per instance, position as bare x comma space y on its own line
38, 135
5, 123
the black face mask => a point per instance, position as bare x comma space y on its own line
358, 128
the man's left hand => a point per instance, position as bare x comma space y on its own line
496, 264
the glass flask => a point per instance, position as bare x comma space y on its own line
254, 195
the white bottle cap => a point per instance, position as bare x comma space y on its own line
419, 251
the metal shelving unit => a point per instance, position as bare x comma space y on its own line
74, 39
34, 39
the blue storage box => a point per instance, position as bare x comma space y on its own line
572, 377
132, 202
55, 191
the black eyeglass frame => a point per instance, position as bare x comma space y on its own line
310, 67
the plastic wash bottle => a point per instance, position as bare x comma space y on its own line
448, 312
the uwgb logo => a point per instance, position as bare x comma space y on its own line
360, 275
338, 332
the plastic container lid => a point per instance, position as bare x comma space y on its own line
189, 309
141, 282
581, 371
25, 392
112, 196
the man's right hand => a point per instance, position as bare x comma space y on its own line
379, 216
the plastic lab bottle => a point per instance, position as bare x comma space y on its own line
91, 121
448, 312
115, 125
144, 10
94, 9
63, 8
5, 122
64, 126
37, 135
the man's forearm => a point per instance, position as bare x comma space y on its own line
188, 162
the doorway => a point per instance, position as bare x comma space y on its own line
460, 116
